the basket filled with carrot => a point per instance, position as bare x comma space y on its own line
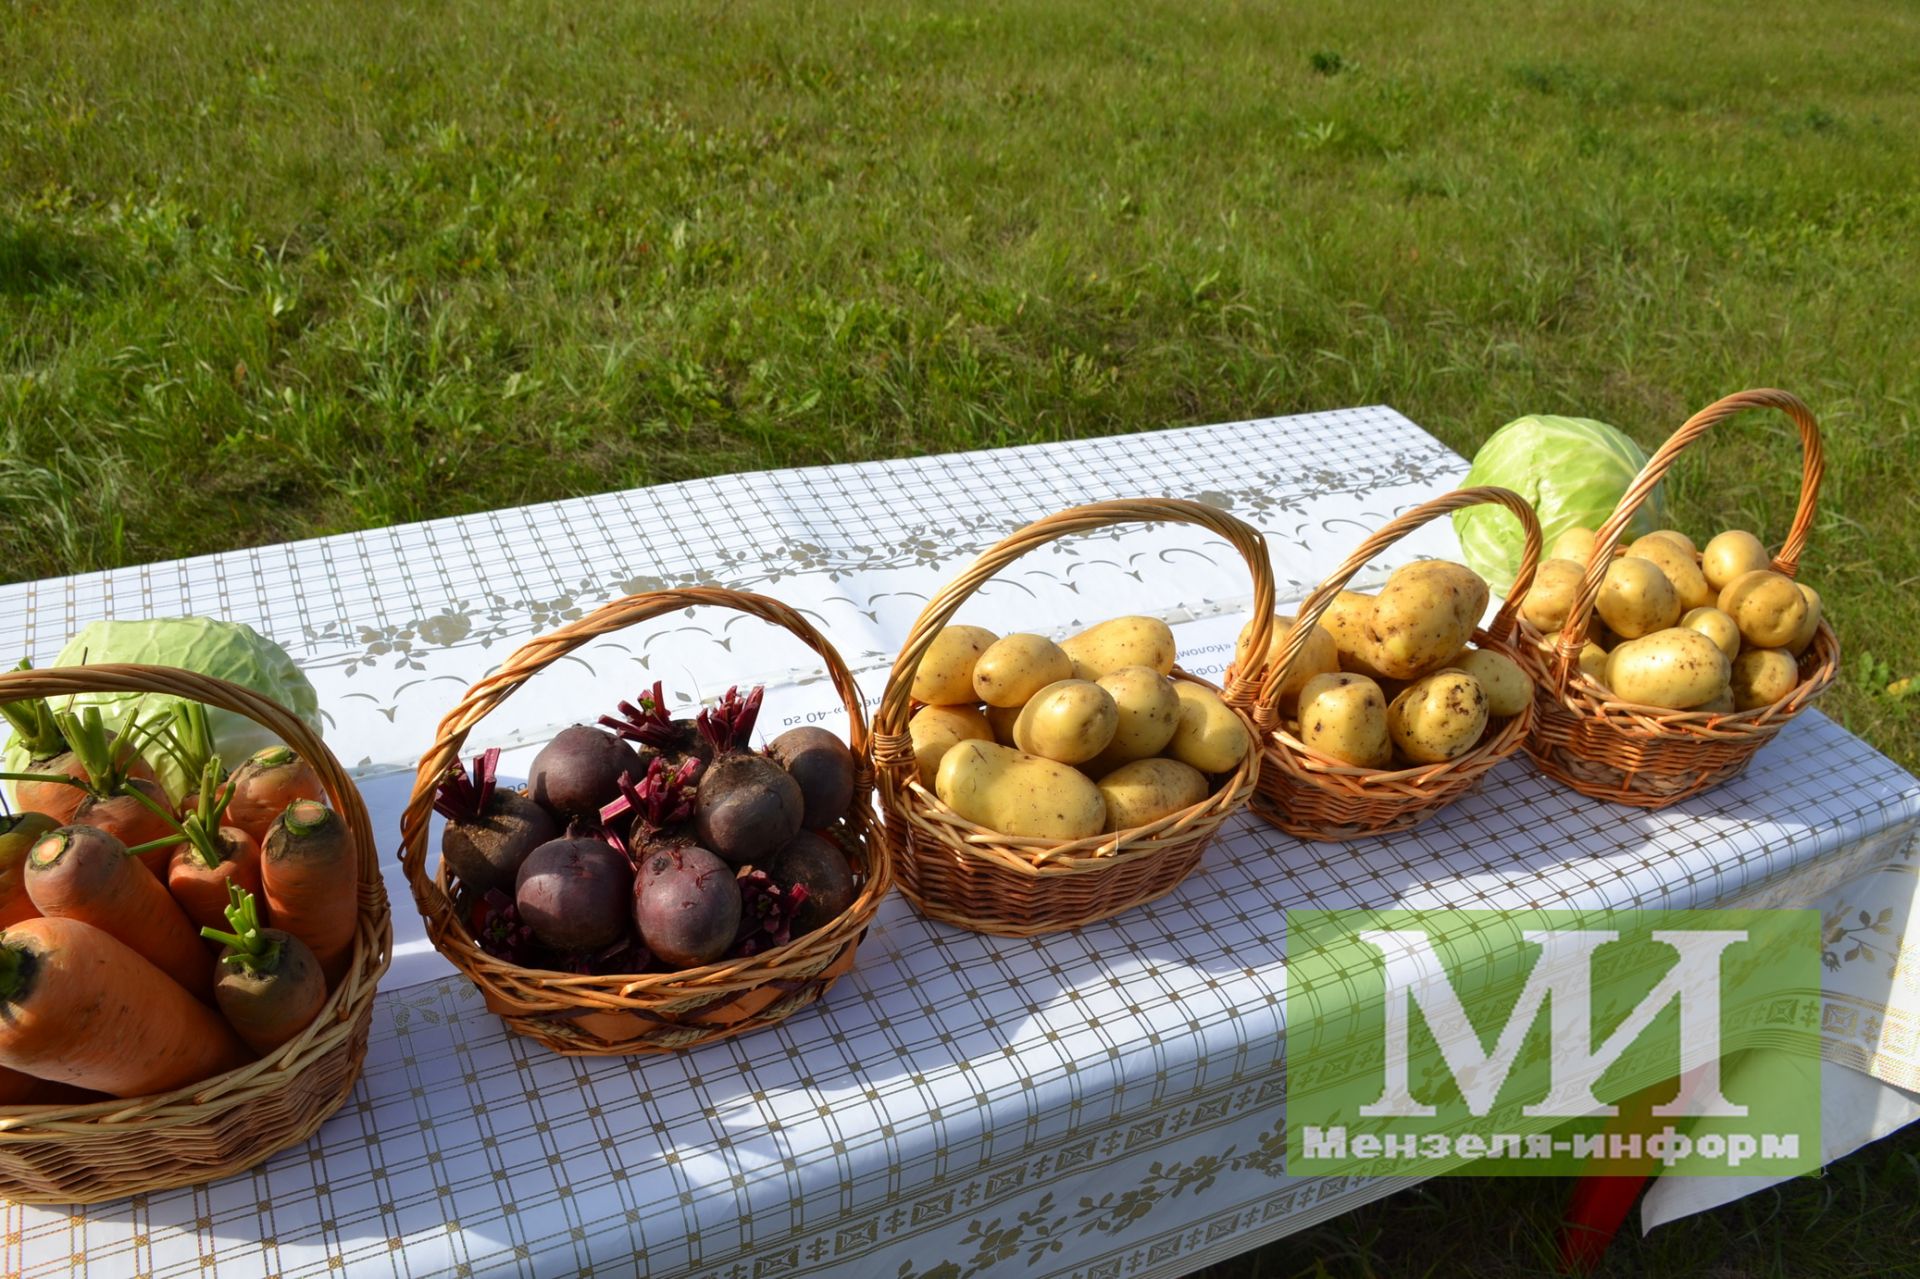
1032, 786
186, 971
662, 880
1377, 711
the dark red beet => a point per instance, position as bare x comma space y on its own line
489, 831
579, 771
823, 766
747, 808
688, 911
574, 894
818, 865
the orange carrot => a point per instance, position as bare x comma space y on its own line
143, 820
18, 833
18, 1089
266, 784
310, 878
105, 784
213, 855
270, 986
79, 1007
85, 874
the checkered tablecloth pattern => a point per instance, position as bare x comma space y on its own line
1105, 1102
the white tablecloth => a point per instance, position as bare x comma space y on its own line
1105, 1102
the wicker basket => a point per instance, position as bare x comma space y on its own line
1643, 755
92, 1153
966, 875
611, 1015
1316, 796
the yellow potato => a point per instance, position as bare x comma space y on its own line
1556, 586
1507, 687
936, 729
1716, 626
1803, 637
1209, 736
1318, 655
1003, 790
1003, 719
1675, 536
1679, 567
1438, 718
1767, 607
1123, 641
1344, 716
1593, 663
945, 677
1423, 615
1637, 599
1678, 668
1347, 620
1015, 667
1762, 676
1720, 704
1070, 720
1149, 711
1575, 544
1149, 789
1730, 554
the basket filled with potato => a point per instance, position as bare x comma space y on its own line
1663, 668
1031, 786
1377, 711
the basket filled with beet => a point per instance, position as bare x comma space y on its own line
658, 882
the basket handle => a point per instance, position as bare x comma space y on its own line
1813, 467
538, 654
893, 748
55, 682
1267, 714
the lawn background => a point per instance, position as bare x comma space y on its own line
273, 271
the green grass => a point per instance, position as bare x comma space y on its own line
334, 265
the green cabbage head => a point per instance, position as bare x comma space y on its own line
1573, 470
231, 651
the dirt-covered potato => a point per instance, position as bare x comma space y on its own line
1423, 615
1556, 586
1679, 567
1438, 718
1209, 736
935, 729
1348, 619
1070, 720
1575, 544
1121, 641
945, 677
1730, 554
1149, 711
1636, 598
1149, 789
1677, 668
1716, 626
1507, 687
1768, 607
1318, 655
1015, 667
1762, 676
1344, 716
1017, 794
1803, 637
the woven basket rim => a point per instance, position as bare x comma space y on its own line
561, 993
348, 1004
